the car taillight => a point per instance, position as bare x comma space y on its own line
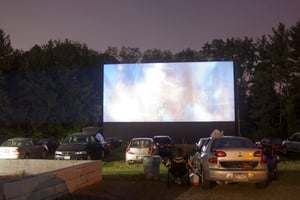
220, 154
258, 153
128, 150
264, 161
16, 150
213, 160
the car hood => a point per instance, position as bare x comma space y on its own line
71, 147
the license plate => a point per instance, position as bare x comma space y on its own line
240, 177
67, 157
139, 157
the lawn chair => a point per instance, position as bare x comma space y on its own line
178, 168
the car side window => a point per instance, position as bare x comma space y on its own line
29, 143
92, 140
204, 146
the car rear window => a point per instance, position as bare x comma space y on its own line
224, 143
140, 143
12, 143
162, 140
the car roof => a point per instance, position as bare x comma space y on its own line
231, 136
160, 136
20, 138
83, 133
142, 138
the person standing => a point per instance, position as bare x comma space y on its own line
100, 138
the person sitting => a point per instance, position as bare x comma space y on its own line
178, 165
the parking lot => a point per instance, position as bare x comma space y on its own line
136, 186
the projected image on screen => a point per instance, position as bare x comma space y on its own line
169, 92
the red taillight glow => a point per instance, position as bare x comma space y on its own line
128, 150
213, 160
264, 161
220, 154
16, 150
258, 153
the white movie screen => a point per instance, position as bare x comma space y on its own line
169, 92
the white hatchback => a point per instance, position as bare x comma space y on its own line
137, 149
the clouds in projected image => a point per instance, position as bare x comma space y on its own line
169, 92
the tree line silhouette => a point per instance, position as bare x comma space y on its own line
56, 88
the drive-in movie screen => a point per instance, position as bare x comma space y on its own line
169, 92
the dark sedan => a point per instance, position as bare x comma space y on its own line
79, 146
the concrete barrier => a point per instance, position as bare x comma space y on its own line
46, 179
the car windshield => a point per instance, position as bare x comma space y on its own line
140, 144
76, 139
12, 143
162, 140
224, 143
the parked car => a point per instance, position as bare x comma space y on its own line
79, 146
273, 143
232, 159
292, 144
200, 144
51, 144
163, 145
113, 142
21, 148
137, 149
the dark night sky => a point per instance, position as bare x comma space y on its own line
146, 24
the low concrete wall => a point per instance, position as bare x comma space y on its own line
47, 179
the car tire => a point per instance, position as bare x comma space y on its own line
206, 184
88, 157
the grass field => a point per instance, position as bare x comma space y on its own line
127, 181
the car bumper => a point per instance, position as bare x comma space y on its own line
134, 158
70, 157
16, 156
253, 176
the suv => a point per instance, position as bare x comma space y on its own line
232, 159
137, 149
163, 145
79, 146
292, 144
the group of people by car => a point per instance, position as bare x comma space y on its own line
224, 159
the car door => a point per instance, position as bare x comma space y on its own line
34, 149
293, 143
94, 147
297, 143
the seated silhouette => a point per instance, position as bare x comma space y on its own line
178, 166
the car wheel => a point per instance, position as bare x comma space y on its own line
130, 162
206, 184
284, 151
88, 157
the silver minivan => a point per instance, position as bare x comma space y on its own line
138, 148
